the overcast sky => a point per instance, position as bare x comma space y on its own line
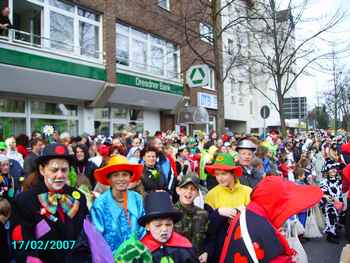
315, 86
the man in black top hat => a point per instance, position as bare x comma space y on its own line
50, 214
164, 243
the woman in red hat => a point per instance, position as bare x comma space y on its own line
254, 236
116, 211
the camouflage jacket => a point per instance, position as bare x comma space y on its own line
193, 225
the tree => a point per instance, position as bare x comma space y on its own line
278, 54
320, 116
211, 14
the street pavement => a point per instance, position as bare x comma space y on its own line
321, 251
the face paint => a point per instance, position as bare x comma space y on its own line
55, 174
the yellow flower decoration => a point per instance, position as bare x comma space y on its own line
220, 158
76, 195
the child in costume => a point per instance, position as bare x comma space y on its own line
164, 243
116, 211
223, 200
273, 201
333, 197
194, 223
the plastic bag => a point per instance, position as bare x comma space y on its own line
294, 242
319, 218
311, 228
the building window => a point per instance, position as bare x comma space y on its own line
165, 4
63, 117
146, 53
211, 84
206, 32
16, 113
230, 46
58, 25
113, 120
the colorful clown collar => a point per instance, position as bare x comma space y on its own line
50, 200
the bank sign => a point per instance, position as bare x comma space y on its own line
150, 84
207, 100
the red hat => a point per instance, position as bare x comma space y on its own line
115, 164
224, 161
281, 199
346, 174
103, 150
345, 148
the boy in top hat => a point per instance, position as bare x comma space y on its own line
164, 243
194, 223
222, 202
116, 211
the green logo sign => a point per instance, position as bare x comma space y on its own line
198, 76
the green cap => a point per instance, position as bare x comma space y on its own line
190, 178
3, 146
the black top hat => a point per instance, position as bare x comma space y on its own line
53, 151
158, 205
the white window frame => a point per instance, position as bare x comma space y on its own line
46, 11
211, 84
111, 121
28, 115
149, 44
167, 4
208, 33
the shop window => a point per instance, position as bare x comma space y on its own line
119, 113
38, 107
136, 115
119, 127
12, 126
101, 127
11, 105
70, 126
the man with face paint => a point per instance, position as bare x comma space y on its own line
250, 177
164, 243
50, 210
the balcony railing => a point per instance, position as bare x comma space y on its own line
26, 39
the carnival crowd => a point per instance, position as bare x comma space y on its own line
171, 198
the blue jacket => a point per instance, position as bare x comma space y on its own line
111, 220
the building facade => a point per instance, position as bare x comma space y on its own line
96, 67
248, 84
